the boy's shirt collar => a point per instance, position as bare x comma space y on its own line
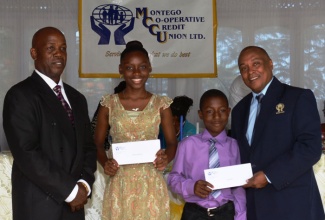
221, 138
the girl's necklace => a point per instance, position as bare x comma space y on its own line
135, 109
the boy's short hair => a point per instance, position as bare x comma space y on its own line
212, 93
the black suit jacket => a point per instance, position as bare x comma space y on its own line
50, 155
286, 145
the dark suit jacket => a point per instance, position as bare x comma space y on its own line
50, 156
286, 144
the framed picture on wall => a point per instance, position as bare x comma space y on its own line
179, 35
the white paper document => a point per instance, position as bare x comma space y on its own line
230, 176
136, 152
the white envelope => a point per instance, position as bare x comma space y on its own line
230, 176
135, 152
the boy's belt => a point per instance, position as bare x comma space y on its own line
214, 210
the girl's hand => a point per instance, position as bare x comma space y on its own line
111, 167
161, 160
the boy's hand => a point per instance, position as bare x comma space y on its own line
202, 188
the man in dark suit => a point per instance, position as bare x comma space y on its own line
282, 147
54, 155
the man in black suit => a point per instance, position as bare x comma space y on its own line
283, 145
54, 155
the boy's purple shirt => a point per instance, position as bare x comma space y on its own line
192, 158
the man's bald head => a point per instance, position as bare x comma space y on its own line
41, 32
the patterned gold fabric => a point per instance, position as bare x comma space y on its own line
137, 191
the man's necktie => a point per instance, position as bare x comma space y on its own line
214, 162
65, 105
259, 99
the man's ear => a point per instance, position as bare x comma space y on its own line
271, 64
33, 53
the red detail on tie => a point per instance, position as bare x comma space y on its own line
65, 105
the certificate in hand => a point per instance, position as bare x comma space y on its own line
230, 176
135, 152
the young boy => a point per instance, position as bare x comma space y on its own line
192, 158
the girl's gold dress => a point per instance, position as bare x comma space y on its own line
137, 191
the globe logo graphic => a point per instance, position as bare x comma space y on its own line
111, 14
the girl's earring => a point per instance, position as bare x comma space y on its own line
121, 76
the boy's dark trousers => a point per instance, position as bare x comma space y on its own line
193, 211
